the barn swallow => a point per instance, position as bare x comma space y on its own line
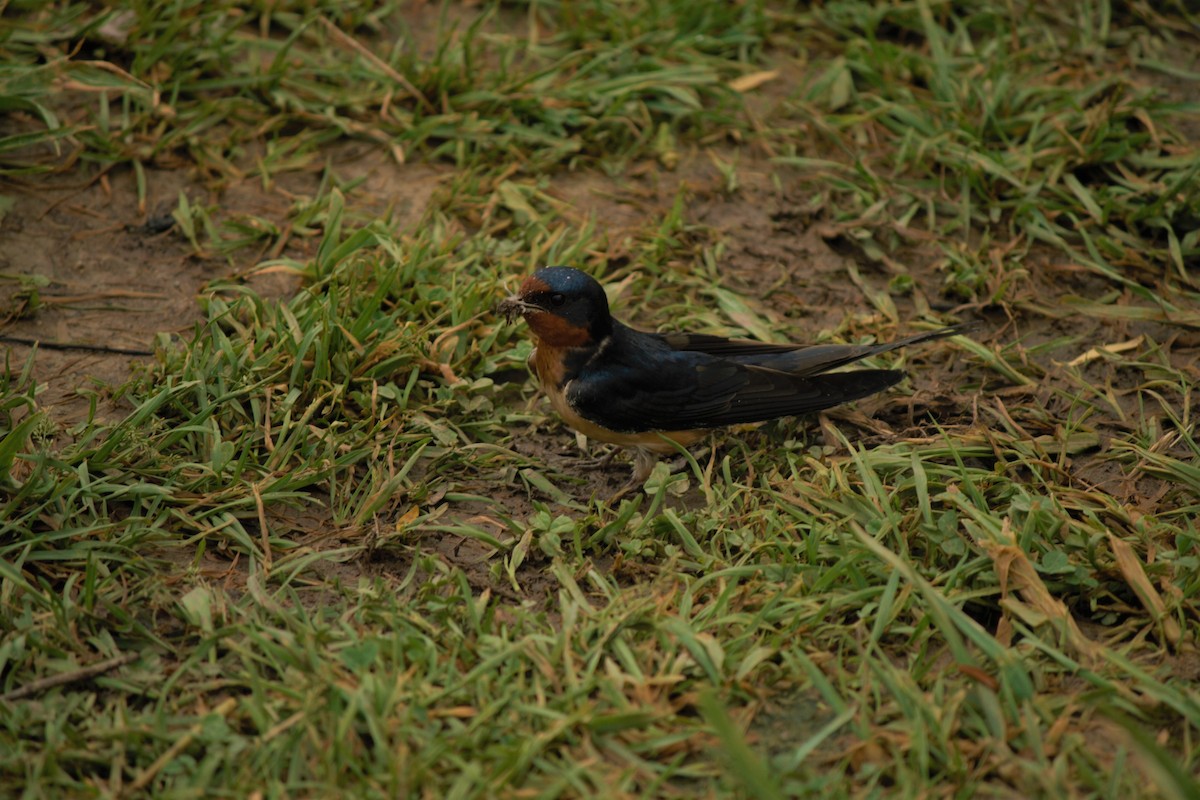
653, 391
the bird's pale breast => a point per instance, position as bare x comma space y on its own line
548, 364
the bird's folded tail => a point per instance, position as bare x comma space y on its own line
845, 387
821, 358
927, 336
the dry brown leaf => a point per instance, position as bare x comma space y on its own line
1106, 349
1016, 571
746, 83
1131, 569
408, 517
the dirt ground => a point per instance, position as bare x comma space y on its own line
116, 275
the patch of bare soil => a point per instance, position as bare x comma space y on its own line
93, 278
112, 279
777, 250
789, 721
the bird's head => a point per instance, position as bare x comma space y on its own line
563, 306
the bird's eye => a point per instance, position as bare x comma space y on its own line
557, 299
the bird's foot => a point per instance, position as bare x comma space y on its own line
643, 465
683, 462
603, 462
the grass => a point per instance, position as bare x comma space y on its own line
329, 550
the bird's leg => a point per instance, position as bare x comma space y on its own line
643, 465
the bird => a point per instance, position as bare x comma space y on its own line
655, 392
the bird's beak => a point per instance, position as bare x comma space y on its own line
515, 306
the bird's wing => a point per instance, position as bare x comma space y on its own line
719, 345
683, 391
795, 359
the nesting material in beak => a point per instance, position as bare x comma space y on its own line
514, 306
